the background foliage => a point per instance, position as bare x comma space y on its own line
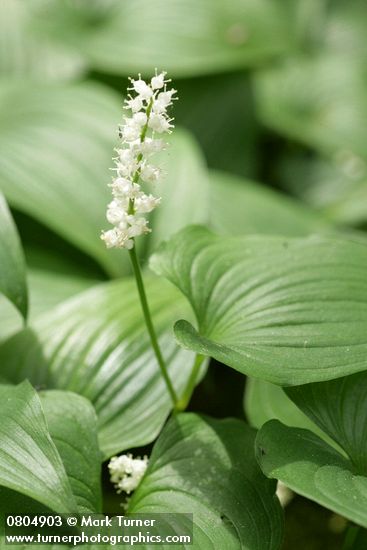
272, 141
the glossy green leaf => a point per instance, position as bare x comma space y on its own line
30, 462
339, 408
186, 38
310, 467
242, 207
26, 53
207, 468
320, 101
96, 344
12, 265
290, 311
72, 424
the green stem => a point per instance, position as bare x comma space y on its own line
149, 324
351, 536
190, 386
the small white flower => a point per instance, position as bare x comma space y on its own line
150, 173
140, 119
142, 88
166, 97
159, 123
131, 132
157, 81
111, 238
134, 103
127, 472
151, 146
146, 203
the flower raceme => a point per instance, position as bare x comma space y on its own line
126, 472
138, 134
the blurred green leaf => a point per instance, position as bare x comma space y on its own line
184, 189
30, 462
310, 467
207, 468
320, 101
26, 53
337, 187
72, 424
184, 37
12, 265
219, 110
242, 207
96, 344
57, 145
290, 311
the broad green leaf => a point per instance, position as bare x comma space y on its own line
242, 207
26, 53
207, 468
186, 37
339, 408
29, 460
310, 467
72, 424
46, 290
12, 265
57, 144
96, 344
320, 101
289, 311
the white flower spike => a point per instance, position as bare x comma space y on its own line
127, 472
138, 143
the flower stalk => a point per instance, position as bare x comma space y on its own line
133, 168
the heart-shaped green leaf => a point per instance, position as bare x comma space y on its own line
242, 207
12, 265
29, 460
72, 424
96, 344
192, 37
207, 468
290, 311
312, 468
